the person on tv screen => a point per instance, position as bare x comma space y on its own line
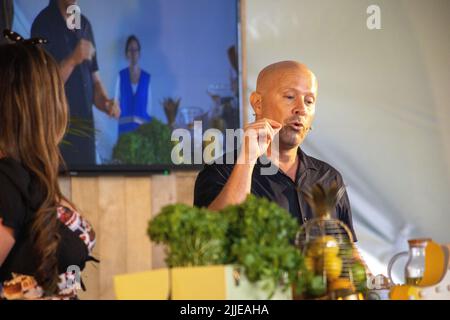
133, 90
74, 50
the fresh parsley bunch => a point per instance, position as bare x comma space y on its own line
257, 236
193, 236
261, 240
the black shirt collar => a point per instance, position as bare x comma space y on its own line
306, 163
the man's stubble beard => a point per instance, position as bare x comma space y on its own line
289, 139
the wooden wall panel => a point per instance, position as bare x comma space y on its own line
119, 209
65, 184
185, 182
111, 232
164, 192
138, 213
84, 194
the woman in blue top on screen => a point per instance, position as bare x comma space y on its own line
133, 90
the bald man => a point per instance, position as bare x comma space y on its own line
284, 105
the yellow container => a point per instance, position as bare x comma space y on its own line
219, 282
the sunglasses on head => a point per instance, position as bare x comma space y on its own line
17, 38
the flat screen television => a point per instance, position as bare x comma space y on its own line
167, 65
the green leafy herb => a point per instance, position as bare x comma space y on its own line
149, 144
193, 236
257, 235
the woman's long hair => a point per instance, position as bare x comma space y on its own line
33, 121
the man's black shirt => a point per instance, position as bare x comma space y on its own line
79, 87
278, 187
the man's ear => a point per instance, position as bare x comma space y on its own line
256, 102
